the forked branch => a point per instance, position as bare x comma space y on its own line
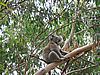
69, 55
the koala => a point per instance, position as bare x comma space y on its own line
52, 52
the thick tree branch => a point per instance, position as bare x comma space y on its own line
69, 55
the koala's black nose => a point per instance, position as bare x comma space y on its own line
59, 40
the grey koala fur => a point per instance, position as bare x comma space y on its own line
52, 52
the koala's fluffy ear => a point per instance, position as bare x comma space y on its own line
51, 35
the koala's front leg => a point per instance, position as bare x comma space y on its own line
63, 52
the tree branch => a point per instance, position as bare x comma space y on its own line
69, 55
67, 42
87, 28
82, 69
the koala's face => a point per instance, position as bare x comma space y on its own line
55, 38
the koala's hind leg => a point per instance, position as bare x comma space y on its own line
54, 57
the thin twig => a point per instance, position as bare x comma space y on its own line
46, 38
88, 61
86, 29
78, 70
62, 12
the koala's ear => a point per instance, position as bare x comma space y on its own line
50, 37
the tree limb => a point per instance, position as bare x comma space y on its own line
69, 55
67, 42
82, 69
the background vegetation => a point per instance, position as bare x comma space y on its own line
26, 24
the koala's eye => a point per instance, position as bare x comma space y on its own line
52, 35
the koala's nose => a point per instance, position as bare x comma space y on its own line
59, 40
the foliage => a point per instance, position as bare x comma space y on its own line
25, 25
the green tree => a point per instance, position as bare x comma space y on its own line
26, 24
